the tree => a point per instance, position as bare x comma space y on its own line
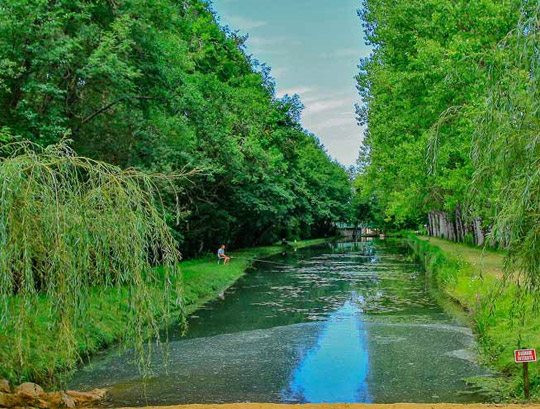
422, 88
161, 87
507, 149
72, 228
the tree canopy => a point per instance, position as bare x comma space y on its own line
161, 86
451, 102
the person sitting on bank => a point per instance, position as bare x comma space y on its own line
222, 256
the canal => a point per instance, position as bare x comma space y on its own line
339, 322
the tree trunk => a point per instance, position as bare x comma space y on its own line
443, 227
460, 232
479, 236
431, 227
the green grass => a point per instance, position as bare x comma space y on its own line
107, 318
503, 317
484, 260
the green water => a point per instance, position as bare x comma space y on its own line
345, 322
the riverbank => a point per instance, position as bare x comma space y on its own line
502, 315
107, 317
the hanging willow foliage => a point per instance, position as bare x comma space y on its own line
507, 148
72, 228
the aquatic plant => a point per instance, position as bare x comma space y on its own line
72, 228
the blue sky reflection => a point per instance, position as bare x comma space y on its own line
336, 368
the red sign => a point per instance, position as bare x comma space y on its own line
525, 355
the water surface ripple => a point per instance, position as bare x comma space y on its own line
345, 322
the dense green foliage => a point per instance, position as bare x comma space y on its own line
108, 316
421, 83
451, 103
157, 86
507, 148
502, 325
160, 86
74, 231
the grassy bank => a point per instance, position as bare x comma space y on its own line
107, 318
503, 317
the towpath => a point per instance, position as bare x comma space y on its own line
487, 261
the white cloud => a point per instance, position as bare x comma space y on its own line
279, 71
341, 138
244, 24
336, 122
343, 52
322, 105
260, 42
332, 118
263, 41
291, 91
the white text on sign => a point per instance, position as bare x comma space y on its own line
524, 355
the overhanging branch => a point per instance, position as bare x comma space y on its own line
109, 106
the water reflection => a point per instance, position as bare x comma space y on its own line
337, 365
350, 322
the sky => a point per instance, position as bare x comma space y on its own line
313, 47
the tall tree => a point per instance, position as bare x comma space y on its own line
160, 86
507, 147
422, 89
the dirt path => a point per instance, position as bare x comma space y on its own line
488, 261
345, 406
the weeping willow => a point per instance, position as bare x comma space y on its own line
506, 148
72, 228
